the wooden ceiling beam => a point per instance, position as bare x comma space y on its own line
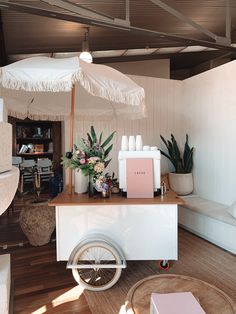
78, 9
3, 55
184, 18
198, 27
6, 5
209, 55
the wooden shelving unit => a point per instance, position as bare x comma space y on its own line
45, 137
32, 139
37, 154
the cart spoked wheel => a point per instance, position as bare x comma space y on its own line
97, 266
164, 265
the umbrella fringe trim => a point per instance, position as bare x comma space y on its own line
134, 99
43, 86
44, 117
20, 115
16, 114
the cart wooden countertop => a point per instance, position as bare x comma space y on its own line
65, 199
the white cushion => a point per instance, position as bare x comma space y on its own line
232, 210
209, 208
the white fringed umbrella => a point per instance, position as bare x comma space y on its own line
42, 74
38, 75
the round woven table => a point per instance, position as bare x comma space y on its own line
212, 299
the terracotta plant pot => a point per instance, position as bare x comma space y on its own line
181, 183
38, 224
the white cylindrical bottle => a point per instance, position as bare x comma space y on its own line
139, 142
124, 143
131, 143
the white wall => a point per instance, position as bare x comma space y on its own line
204, 106
153, 68
163, 99
208, 114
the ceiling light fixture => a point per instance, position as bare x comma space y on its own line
85, 54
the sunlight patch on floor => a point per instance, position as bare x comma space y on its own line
124, 310
69, 296
41, 310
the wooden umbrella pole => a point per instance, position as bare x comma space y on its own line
72, 119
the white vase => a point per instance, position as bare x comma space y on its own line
124, 143
139, 142
131, 143
181, 183
81, 182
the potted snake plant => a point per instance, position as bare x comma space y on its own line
181, 181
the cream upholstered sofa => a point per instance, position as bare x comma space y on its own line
5, 140
9, 177
209, 220
5, 283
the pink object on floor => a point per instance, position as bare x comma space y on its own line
140, 182
175, 303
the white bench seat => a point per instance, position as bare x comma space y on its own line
209, 220
209, 208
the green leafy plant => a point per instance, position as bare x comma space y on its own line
91, 155
182, 164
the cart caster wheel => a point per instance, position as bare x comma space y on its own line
164, 265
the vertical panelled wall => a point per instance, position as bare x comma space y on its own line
208, 114
163, 99
204, 106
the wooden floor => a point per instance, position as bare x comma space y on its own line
42, 285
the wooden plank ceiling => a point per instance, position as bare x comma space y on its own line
25, 33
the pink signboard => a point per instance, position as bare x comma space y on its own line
139, 173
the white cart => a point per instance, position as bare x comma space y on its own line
97, 236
